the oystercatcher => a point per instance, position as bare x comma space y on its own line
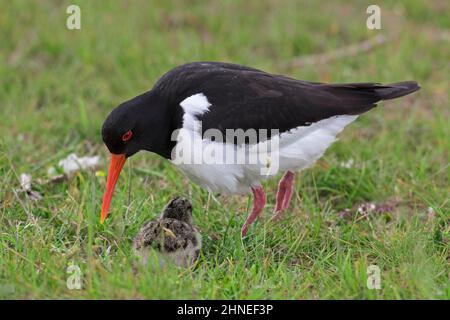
228, 126
173, 235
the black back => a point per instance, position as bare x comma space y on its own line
247, 98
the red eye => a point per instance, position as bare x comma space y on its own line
127, 135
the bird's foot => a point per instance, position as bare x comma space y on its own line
259, 202
284, 195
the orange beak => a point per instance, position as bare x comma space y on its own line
115, 166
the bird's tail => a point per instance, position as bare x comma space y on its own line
396, 90
358, 98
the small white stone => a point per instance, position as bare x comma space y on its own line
72, 163
25, 181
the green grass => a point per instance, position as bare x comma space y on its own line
57, 86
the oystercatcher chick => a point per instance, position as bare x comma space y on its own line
173, 235
227, 126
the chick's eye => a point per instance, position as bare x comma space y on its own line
127, 135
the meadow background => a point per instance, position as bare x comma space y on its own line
57, 86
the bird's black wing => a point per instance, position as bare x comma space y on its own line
247, 98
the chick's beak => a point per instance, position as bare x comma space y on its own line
115, 166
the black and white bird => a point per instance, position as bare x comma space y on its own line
173, 236
201, 115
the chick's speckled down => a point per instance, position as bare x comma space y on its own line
172, 235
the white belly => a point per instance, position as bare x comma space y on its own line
205, 162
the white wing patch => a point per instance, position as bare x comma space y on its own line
193, 106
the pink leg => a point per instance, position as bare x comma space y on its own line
259, 201
284, 194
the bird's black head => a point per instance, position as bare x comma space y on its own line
142, 123
135, 125
178, 209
